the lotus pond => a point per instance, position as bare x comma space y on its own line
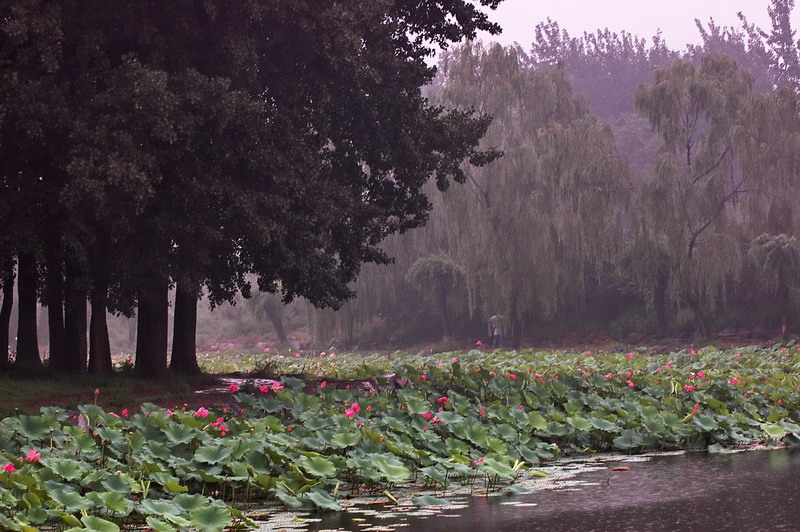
404, 428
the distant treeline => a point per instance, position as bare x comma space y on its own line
642, 192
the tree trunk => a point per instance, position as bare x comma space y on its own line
99, 345
55, 308
700, 318
275, 317
7, 280
75, 343
151, 331
27, 335
660, 303
184, 332
783, 297
444, 313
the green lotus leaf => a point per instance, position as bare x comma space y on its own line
477, 434
117, 503
554, 428
456, 446
318, 466
70, 501
774, 430
159, 507
189, 502
323, 499
495, 467
537, 421
174, 487
629, 439
96, 524
34, 427
507, 432
428, 500
603, 424
579, 423
118, 483
706, 423
436, 473
346, 439
178, 433
392, 469
158, 525
70, 520
212, 454
210, 518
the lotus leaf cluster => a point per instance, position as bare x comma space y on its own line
433, 419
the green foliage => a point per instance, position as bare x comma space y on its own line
473, 417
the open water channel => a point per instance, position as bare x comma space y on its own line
743, 491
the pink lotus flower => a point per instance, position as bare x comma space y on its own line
630, 384
492, 373
218, 422
349, 412
424, 429
512, 376
427, 415
701, 375
688, 388
521, 407
369, 408
33, 456
734, 381
423, 377
630, 356
436, 420
233, 388
607, 376
443, 400
482, 412
478, 343
669, 364
323, 384
9, 468
356, 407
201, 412
454, 360
297, 355
538, 375
263, 389
125, 412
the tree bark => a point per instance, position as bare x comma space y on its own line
700, 318
274, 316
75, 343
151, 331
99, 345
7, 280
660, 303
184, 332
55, 307
783, 298
27, 334
444, 314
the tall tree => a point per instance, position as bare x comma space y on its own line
777, 258
528, 228
696, 179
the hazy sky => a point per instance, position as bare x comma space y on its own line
675, 18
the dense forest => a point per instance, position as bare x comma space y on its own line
348, 193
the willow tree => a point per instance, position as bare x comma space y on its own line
689, 199
777, 258
437, 276
528, 228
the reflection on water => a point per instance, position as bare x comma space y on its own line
694, 492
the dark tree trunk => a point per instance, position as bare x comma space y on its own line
700, 318
7, 279
274, 316
55, 307
783, 300
99, 345
184, 332
27, 335
151, 331
444, 313
75, 343
660, 303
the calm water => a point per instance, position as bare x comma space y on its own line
750, 491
